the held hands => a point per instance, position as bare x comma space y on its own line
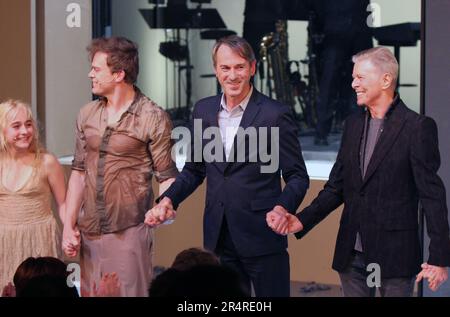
282, 222
160, 213
71, 241
436, 275
277, 219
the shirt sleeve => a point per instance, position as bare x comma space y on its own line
80, 146
160, 147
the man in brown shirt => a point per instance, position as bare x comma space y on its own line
122, 139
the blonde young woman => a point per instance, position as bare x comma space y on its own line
28, 178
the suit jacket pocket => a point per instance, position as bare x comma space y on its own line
263, 204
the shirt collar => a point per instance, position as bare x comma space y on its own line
133, 108
243, 105
392, 106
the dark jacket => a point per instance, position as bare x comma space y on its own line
238, 189
383, 206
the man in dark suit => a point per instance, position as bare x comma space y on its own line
387, 163
240, 190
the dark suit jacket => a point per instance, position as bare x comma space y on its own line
383, 206
239, 190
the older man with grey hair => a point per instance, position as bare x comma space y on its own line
387, 163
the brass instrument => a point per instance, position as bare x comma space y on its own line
274, 51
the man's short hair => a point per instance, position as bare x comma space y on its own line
192, 257
122, 55
382, 58
238, 45
35, 267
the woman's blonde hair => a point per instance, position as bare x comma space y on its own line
8, 111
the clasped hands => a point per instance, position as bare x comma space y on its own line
282, 222
71, 241
160, 213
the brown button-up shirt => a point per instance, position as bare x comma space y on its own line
119, 162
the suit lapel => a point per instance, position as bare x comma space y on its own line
213, 121
357, 134
251, 111
248, 117
212, 115
392, 127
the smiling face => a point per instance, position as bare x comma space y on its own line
367, 82
234, 73
19, 130
370, 83
103, 80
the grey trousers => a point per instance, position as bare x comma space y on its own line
354, 281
